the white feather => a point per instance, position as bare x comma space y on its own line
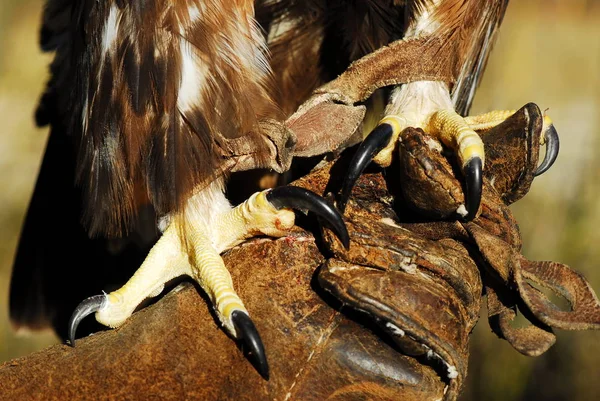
111, 28
192, 73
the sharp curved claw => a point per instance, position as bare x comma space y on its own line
86, 307
474, 182
300, 198
552, 148
375, 141
251, 343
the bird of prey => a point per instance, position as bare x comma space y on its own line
150, 100
153, 98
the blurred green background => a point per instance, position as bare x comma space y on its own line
548, 52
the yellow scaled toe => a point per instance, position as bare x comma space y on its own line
199, 258
455, 132
398, 123
253, 217
164, 262
486, 121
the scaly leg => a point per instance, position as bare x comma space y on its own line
191, 244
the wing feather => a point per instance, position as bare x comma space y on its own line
155, 90
467, 29
476, 58
313, 41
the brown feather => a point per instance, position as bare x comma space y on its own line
313, 41
476, 56
159, 87
466, 29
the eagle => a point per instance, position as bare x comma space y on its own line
152, 104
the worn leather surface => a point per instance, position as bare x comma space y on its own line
174, 350
415, 276
425, 294
402, 61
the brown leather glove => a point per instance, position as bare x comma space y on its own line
417, 274
406, 295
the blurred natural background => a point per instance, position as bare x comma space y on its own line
548, 52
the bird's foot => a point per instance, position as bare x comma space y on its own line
461, 134
445, 125
269, 213
191, 246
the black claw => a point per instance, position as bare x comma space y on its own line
251, 343
552, 147
300, 198
474, 183
375, 141
85, 308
